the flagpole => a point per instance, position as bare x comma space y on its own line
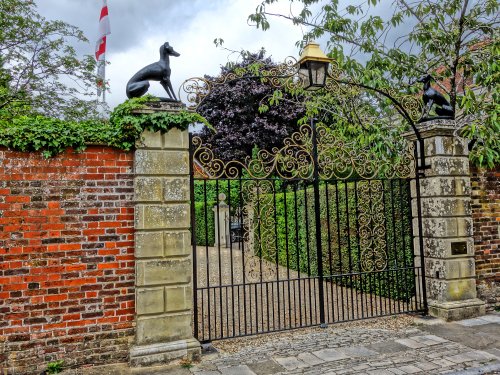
100, 53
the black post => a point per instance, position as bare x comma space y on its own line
317, 209
420, 234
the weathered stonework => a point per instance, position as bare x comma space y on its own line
447, 225
163, 250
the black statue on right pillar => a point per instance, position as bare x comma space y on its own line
430, 97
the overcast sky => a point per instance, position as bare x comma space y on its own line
139, 27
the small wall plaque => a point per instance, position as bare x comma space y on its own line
459, 248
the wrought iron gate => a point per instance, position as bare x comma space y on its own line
313, 233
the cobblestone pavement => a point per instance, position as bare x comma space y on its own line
425, 347
392, 345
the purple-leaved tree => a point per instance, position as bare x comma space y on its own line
233, 110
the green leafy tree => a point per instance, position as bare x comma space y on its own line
388, 46
39, 68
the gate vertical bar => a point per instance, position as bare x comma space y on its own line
193, 237
317, 211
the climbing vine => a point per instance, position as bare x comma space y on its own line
52, 136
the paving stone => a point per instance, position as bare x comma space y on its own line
479, 355
329, 355
435, 338
488, 369
410, 369
493, 318
379, 372
494, 351
459, 358
410, 343
428, 340
237, 370
360, 367
265, 368
381, 364
426, 365
396, 371
490, 328
310, 359
290, 363
358, 351
472, 322
443, 362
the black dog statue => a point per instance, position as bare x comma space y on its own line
430, 97
158, 71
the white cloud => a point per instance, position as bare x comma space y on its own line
139, 28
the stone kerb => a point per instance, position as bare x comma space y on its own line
446, 223
163, 249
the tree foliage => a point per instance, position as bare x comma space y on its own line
381, 45
40, 71
233, 110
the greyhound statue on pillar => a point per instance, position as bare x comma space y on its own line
432, 97
138, 85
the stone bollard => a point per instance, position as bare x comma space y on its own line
163, 249
446, 223
221, 219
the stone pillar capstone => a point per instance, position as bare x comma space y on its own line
163, 279
446, 223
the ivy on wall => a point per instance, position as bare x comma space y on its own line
52, 136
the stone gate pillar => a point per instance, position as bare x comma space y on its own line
446, 223
163, 270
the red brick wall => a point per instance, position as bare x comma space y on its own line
66, 258
486, 218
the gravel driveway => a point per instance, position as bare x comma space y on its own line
240, 301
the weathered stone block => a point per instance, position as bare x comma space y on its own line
447, 166
439, 186
176, 139
176, 189
444, 207
148, 189
178, 298
161, 162
149, 245
446, 145
150, 300
449, 269
441, 247
150, 140
177, 243
451, 290
445, 227
161, 353
163, 328
163, 272
457, 310
168, 216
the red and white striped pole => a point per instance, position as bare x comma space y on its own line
100, 50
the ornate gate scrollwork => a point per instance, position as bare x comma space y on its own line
337, 159
258, 221
372, 228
